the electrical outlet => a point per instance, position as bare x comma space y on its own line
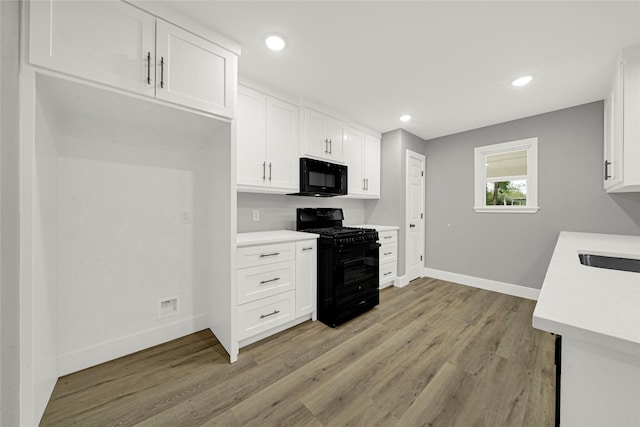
256, 215
185, 217
167, 307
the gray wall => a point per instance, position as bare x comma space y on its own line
390, 209
9, 214
278, 212
516, 248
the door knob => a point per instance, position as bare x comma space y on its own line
411, 225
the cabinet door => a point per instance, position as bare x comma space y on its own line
614, 125
103, 41
194, 72
282, 127
250, 137
315, 140
335, 135
372, 165
353, 157
306, 277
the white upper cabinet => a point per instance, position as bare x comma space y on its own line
267, 139
193, 71
283, 125
622, 126
362, 156
116, 44
354, 158
372, 165
322, 136
107, 42
251, 137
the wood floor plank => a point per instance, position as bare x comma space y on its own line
432, 353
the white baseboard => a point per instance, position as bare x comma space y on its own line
90, 356
490, 285
401, 281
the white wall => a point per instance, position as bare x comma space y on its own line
45, 265
122, 206
9, 214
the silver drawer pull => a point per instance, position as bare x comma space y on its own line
386, 274
388, 253
307, 249
262, 316
275, 279
271, 254
387, 237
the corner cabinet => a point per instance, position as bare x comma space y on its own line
621, 168
362, 156
119, 45
322, 136
276, 283
267, 138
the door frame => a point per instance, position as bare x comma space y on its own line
422, 158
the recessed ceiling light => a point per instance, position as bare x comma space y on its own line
275, 42
521, 81
405, 118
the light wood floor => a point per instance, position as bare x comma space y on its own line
433, 353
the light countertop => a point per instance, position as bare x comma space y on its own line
377, 227
595, 305
277, 236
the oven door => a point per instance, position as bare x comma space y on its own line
356, 271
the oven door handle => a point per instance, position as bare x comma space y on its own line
364, 247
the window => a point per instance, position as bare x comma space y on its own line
506, 177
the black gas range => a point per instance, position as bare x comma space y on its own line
348, 265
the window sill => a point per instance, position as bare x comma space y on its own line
506, 209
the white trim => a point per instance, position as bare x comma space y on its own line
401, 281
109, 350
507, 209
490, 285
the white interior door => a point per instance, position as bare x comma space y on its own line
414, 254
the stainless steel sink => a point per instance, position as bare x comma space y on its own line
612, 263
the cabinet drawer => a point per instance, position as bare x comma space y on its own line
388, 252
387, 236
388, 271
260, 316
252, 256
265, 280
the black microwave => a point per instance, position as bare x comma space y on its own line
321, 179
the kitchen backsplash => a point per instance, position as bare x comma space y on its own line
278, 212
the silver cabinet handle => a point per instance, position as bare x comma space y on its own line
275, 279
269, 171
606, 170
162, 72
386, 274
387, 237
148, 68
326, 146
271, 254
387, 253
411, 225
330, 146
262, 316
307, 249
264, 170
363, 185
367, 180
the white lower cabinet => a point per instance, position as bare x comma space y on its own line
388, 257
259, 316
276, 284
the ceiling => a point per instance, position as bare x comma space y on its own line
448, 64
